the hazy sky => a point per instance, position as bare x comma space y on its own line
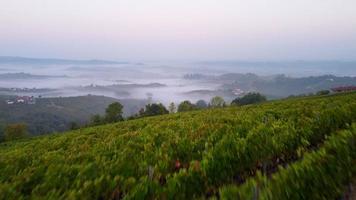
179, 29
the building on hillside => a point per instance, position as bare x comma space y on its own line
9, 102
21, 100
237, 91
344, 89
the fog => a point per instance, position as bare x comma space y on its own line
159, 82
72, 79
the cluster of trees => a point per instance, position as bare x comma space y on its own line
114, 110
215, 102
14, 132
250, 98
113, 113
153, 109
323, 92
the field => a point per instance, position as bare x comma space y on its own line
303, 148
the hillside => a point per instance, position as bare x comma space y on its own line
52, 61
288, 149
14, 76
55, 114
274, 87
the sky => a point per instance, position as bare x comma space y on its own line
179, 29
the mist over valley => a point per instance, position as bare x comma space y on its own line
169, 82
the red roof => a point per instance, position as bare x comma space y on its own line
344, 88
25, 98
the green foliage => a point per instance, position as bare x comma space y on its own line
319, 175
73, 126
323, 92
113, 113
172, 108
2, 129
190, 155
15, 131
96, 120
217, 102
201, 104
249, 98
186, 106
154, 109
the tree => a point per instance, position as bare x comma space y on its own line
114, 113
323, 92
141, 112
249, 98
217, 102
172, 108
149, 97
201, 104
186, 106
73, 126
15, 131
2, 129
96, 120
155, 109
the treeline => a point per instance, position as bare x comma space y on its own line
113, 112
13, 132
319, 93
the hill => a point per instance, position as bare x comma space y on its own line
53, 61
57, 113
289, 149
274, 87
12, 76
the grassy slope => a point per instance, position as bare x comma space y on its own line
55, 114
115, 159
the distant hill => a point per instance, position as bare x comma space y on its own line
282, 86
22, 75
56, 114
49, 61
324, 63
274, 86
294, 68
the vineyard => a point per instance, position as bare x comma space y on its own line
302, 148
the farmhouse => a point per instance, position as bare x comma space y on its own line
344, 89
9, 102
237, 91
21, 100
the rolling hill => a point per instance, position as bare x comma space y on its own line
286, 149
57, 113
52, 61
